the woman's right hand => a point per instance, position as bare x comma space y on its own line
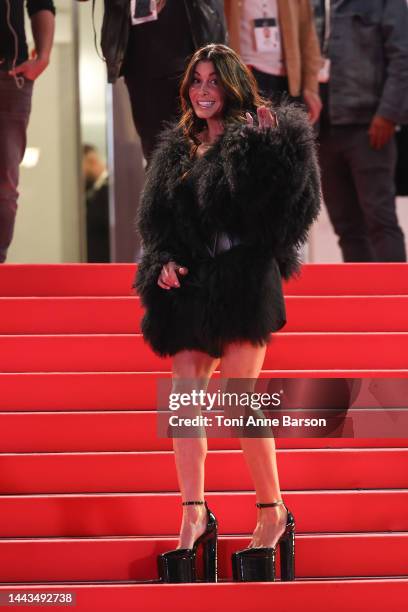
266, 118
168, 276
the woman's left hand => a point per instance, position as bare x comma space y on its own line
266, 118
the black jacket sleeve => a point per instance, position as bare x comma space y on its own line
34, 6
274, 180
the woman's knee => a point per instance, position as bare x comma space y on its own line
242, 360
194, 365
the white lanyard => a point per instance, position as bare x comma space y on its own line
327, 15
266, 9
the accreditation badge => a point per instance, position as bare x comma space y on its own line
267, 36
142, 11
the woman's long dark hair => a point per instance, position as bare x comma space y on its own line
239, 84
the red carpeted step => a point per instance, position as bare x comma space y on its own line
317, 556
129, 431
352, 595
121, 315
225, 471
346, 313
117, 279
122, 390
350, 279
66, 279
90, 370
120, 353
159, 513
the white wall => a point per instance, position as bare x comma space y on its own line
92, 78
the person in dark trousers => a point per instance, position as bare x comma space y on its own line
150, 50
17, 75
401, 175
364, 89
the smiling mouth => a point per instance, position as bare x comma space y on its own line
206, 104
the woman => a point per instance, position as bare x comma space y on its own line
229, 195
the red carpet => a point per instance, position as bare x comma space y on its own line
88, 493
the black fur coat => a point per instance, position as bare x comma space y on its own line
260, 186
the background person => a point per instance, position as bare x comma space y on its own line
364, 90
277, 39
17, 74
150, 49
97, 205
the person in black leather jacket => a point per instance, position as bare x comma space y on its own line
151, 56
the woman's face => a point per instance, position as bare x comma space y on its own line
206, 94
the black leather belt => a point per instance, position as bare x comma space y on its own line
222, 241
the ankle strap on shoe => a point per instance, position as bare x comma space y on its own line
275, 503
188, 503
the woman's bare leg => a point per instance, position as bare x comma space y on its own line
243, 360
190, 371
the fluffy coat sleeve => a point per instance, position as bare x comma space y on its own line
154, 218
274, 180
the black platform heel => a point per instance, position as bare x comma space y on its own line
179, 565
257, 564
